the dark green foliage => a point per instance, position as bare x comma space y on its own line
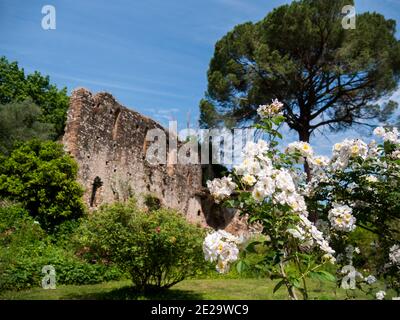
15, 86
22, 269
19, 121
212, 171
325, 75
42, 177
10, 213
25, 249
209, 116
158, 249
152, 202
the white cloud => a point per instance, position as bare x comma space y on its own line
115, 85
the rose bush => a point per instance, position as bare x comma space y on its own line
312, 219
270, 189
363, 182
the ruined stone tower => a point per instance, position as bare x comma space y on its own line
108, 142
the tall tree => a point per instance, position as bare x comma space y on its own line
15, 86
19, 122
325, 75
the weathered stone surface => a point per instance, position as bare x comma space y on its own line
108, 142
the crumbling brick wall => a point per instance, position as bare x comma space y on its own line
108, 142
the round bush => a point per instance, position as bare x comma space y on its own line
158, 248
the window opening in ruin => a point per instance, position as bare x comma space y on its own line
97, 183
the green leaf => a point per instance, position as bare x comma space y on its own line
322, 275
278, 285
241, 266
251, 247
296, 283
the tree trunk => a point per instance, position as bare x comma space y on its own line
304, 135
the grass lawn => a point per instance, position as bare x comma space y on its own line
213, 289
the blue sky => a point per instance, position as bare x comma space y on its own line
152, 55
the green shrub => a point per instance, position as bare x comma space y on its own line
25, 248
158, 248
23, 271
42, 177
152, 202
10, 213
63, 233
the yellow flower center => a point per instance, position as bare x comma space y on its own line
355, 149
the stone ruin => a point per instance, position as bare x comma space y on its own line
108, 142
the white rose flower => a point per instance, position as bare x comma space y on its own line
341, 218
379, 132
222, 188
396, 154
284, 181
268, 184
222, 266
329, 257
267, 111
371, 179
342, 152
297, 233
380, 295
394, 254
259, 194
370, 279
249, 179
390, 135
296, 202
319, 161
221, 246
301, 147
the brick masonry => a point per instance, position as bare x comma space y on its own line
108, 142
